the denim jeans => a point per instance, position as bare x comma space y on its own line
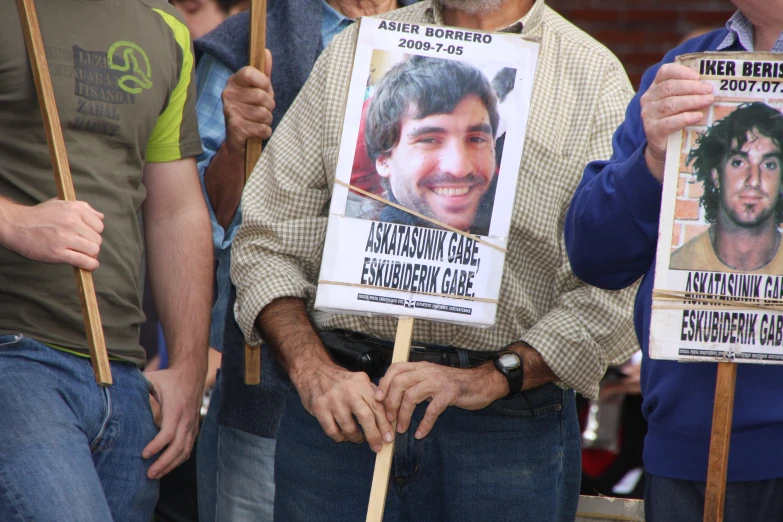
673, 500
505, 462
70, 450
235, 471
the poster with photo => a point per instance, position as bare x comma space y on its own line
431, 144
718, 290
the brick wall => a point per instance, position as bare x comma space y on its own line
640, 32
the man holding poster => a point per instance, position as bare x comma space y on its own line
431, 131
612, 232
486, 426
739, 161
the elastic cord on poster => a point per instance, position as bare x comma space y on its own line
447, 296
672, 300
420, 216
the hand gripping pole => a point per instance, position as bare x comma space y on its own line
62, 175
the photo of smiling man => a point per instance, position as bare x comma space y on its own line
738, 160
429, 131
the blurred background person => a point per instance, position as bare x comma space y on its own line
234, 104
201, 16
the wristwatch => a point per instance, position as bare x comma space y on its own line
510, 364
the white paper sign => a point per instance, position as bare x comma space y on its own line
435, 124
719, 264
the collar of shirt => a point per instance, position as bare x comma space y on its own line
332, 23
740, 28
434, 15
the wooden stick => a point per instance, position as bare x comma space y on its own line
253, 152
62, 176
383, 460
719, 442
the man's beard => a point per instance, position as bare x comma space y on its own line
474, 7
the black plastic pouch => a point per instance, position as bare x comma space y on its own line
353, 354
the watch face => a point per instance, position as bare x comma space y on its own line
509, 361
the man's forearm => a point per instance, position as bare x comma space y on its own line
180, 267
286, 328
224, 180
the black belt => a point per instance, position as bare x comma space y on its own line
359, 352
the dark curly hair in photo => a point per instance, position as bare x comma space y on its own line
726, 135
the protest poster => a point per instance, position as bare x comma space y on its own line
431, 143
718, 286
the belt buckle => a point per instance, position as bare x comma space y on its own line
419, 348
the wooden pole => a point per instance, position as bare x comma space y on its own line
62, 176
714, 496
383, 460
253, 152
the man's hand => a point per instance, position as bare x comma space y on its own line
179, 395
407, 384
330, 393
54, 231
248, 101
335, 396
674, 101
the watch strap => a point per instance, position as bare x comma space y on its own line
515, 377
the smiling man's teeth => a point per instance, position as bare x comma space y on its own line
451, 191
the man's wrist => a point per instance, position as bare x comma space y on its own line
536, 371
495, 384
227, 159
190, 368
7, 219
233, 152
654, 164
285, 327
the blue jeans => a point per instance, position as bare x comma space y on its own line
70, 450
505, 462
235, 471
673, 500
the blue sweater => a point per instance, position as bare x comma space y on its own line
611, 235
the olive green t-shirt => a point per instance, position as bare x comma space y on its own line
122, 72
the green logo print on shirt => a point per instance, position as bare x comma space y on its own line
127, 56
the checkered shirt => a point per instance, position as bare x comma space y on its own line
741, 28
579, 98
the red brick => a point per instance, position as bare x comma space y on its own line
707, 19
676, 235
653, 16
600, 15
705, 120
721, 111
639, 38
680, 187
687, 169
686, 209
693, 189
